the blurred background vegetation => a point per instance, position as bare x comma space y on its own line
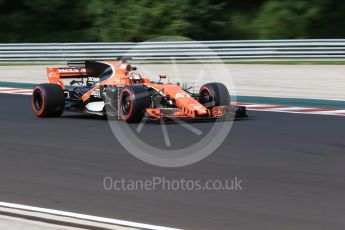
139, 20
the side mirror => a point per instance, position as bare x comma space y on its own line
162, 76
134, 68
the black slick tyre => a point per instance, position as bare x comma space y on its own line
214, 94
133, 101
48, 100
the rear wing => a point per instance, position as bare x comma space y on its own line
81, 69
56, 74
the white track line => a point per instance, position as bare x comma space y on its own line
295, 110
9, 222
334, 111
104, 220
19, 91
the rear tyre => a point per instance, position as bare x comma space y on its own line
48, 100
214, 94
133, 101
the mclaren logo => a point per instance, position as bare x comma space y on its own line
70, 70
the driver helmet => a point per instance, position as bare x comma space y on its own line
135, 78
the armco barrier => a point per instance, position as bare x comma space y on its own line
311, 49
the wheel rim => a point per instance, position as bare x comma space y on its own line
38, 101
126, 104
206, 98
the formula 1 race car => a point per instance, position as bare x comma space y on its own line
116, 89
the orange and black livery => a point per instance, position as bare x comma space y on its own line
116, 89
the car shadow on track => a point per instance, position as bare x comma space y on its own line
83, 116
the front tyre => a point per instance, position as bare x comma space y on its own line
214, 94
133, 101
48, 100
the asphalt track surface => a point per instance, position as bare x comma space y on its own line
291, 165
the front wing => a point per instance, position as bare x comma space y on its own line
217, 113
